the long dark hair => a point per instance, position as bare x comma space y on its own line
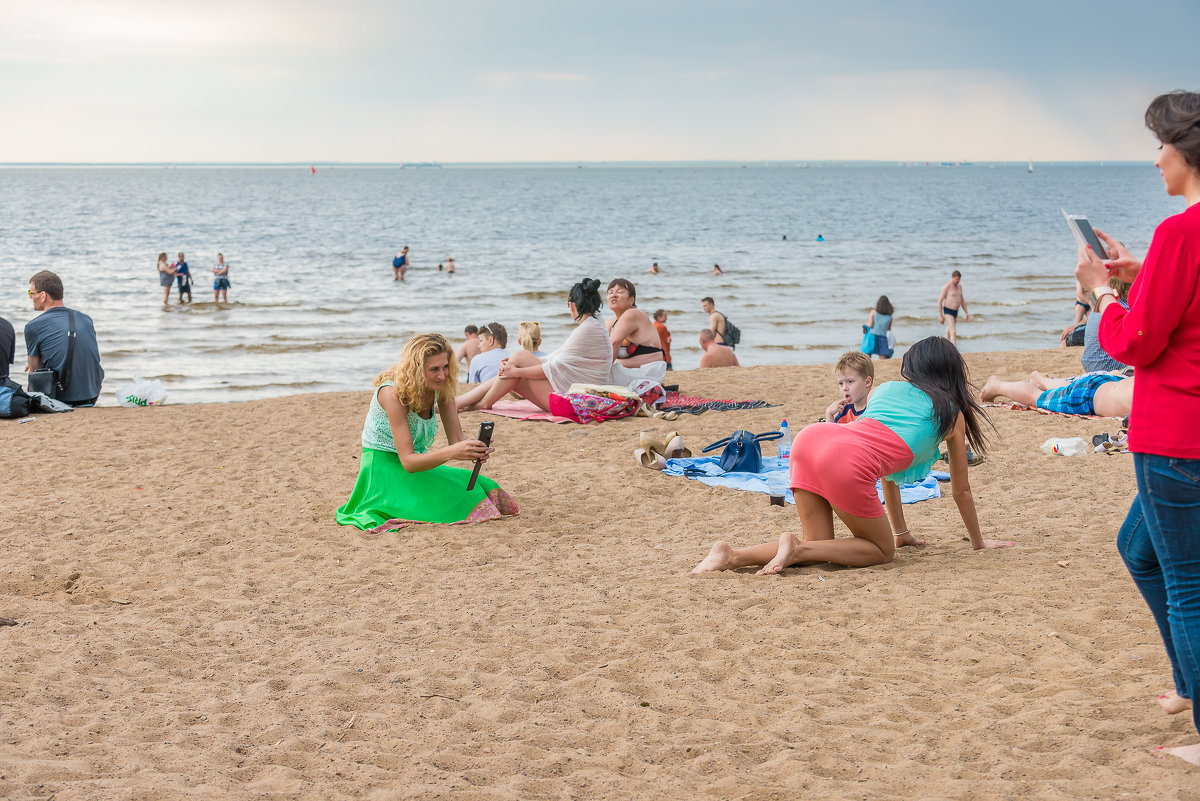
884, 306
935, 367
586, 297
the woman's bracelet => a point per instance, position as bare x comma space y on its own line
902, 533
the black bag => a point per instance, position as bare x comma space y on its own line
14, 402
733, 334
48, 382
742, 452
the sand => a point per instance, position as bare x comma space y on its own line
194, 625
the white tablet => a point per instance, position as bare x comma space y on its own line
1084, 234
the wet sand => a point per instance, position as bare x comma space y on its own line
194, 625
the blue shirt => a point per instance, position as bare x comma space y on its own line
46, 338
486, 365
1096, 358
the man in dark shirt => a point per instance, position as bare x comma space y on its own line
47, 340
8, 346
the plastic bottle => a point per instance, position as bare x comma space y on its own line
785, 442
1073, 446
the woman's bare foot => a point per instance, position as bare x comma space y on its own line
1188, 753
989, 391
907, 539
787, 545
1038, 380
1173, 703
719, 558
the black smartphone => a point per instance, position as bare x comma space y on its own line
485, 436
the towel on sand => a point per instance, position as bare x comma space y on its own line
674, 402
774, 478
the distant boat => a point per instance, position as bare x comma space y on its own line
1031, 165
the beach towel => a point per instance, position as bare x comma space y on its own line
774, 478
525, 410
674, 402
1020, 407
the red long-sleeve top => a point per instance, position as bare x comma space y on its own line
1160, 336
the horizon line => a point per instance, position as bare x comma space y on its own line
745, 163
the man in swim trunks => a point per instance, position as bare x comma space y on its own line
950, 300
716, 320
1103, 394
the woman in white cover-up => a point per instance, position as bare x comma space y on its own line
585, 358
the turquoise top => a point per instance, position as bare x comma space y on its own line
908, 412
882, 321
377, 431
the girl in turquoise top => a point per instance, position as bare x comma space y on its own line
402, 478
834, 468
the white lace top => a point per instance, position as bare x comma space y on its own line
377, 431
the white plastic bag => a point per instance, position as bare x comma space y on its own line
1072, 446
141, 392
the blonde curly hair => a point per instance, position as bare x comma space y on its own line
408, 374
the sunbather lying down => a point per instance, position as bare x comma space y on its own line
1103, 394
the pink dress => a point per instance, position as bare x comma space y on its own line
842, 462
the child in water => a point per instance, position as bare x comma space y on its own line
834, 469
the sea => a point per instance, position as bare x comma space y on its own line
806, 250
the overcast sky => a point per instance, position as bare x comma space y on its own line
456, 80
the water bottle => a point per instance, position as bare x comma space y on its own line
1073, 446
785, 442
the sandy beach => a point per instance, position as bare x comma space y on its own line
192, 623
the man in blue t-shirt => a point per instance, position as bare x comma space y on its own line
47, 341
486, 365
8, 346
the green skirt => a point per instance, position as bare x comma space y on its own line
387, 497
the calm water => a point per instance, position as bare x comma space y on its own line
313, 305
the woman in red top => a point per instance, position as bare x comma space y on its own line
1160, 336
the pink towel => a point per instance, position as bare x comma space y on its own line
525, 410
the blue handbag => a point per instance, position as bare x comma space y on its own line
868, 343
742, 453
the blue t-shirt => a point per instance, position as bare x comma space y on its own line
486, 365
46, 338
8, 346
183, 273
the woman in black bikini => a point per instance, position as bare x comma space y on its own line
634, 338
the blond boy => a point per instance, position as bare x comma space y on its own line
855, 376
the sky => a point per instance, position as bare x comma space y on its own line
530, 81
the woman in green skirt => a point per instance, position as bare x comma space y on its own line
402, 479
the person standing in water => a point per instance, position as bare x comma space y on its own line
950, 300
400, 264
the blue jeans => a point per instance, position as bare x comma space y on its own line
1160, 543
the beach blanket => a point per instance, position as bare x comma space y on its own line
774, 478
1020, 407
524, 410
674, 402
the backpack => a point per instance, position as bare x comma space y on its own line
733, 334
14, 401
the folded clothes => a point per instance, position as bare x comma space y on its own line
674, 402
775, 478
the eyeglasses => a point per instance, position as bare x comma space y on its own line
33, 292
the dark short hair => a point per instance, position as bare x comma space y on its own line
47, 282
627, 285
471, 329
956, 274
496, 332
1175, 120
659, 313
708, 300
